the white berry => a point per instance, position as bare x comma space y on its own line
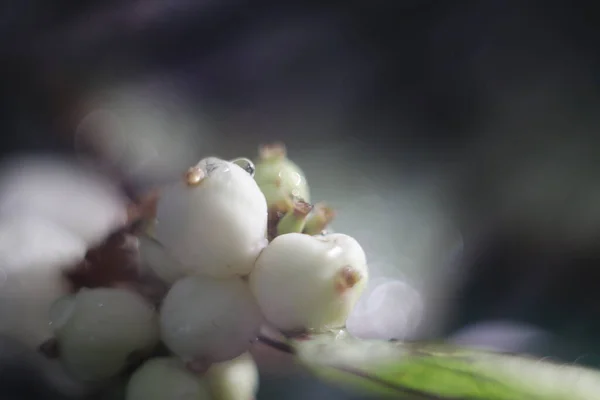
166, 378
33, 255
79, 200
99, 329
214, 221
208, 320
311, 283
235, 379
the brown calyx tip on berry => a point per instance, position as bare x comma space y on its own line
326, 213
347, 278
272, 151
302, 208
194, 176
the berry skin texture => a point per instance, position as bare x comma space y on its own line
99, 329
205, 320
236, 379
214, 220
309, 283
166, 378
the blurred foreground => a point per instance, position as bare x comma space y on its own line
457, 141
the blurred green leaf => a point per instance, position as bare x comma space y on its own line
438, 371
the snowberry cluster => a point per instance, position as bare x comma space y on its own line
236, 246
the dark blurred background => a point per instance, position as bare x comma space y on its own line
410, 117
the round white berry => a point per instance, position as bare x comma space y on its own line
79, 200
207, 320
311, 283
99, 329
214, 221
235, 379
166, 378
33, 256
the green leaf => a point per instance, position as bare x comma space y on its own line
438, 371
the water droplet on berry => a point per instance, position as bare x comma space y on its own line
246, 165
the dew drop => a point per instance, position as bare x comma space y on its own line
246, 165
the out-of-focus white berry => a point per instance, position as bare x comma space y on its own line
235, 379
209, 320
146, 131
309, 282
98, 329
33, 255
33, 242
81, 201
214, 221
166, 378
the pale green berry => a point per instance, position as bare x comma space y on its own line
98, 330
279, 178
304, 282
235, 379
166, 378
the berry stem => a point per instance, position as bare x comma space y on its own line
317, 221
295, 219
